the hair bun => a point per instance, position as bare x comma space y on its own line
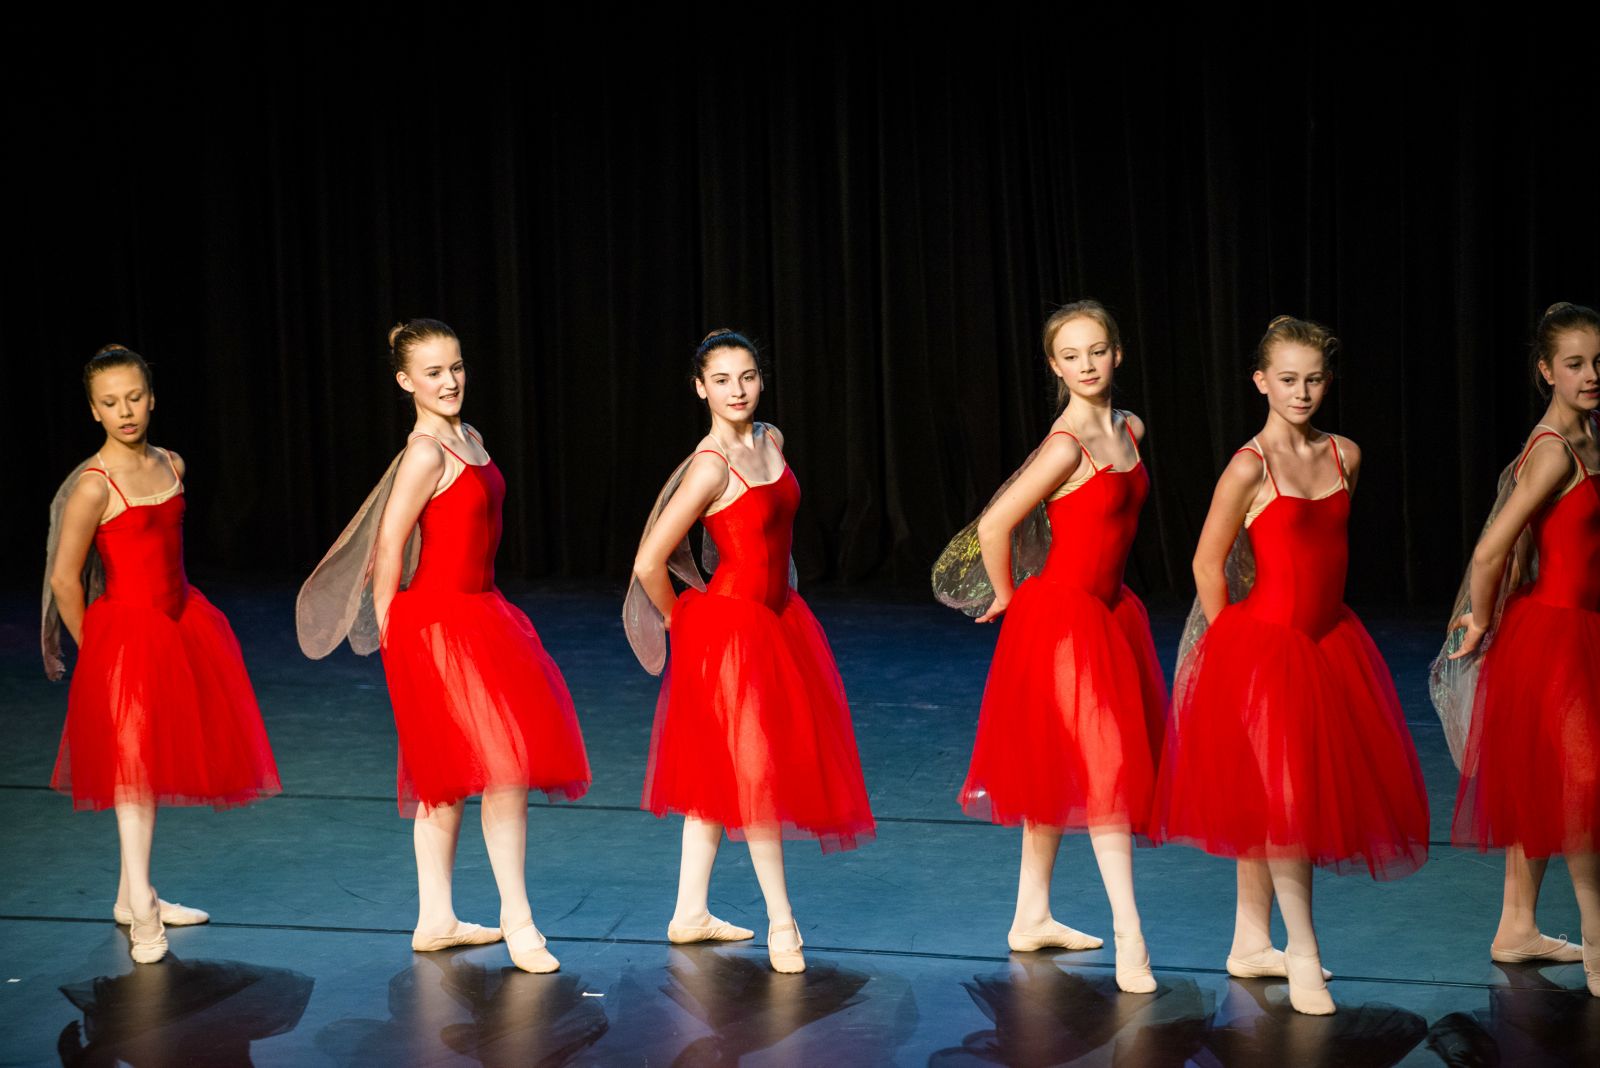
1280, 320
394, 333
718, 332
1558, 306
106, 350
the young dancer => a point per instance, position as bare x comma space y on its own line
1074, 709
479, 706
160, 711
1287, 747
1529, 707
752, 732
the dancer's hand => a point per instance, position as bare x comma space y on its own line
997, 608
1471, 640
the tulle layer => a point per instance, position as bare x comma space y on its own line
161, 710
1531, 774
478, 703
1073, 714
752, 730
1285, 746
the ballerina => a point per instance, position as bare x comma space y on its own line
752, 731
1285, 699
161, 710
1075, 706
479, 706
1524, 717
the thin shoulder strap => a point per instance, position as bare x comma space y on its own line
776, 444
475, 435
1338, 460
1069, 434
724, 459
175, 475
1266, 468
103, 473
1126, 425
442, 445
1546, 432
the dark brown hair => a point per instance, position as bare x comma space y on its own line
1078, 309
722, 338
406, 336
1558, 319
111, 356
1287, 330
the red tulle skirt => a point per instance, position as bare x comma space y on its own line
161, 711
1283, 746
1531, 775
1073, 714
752, 729
477, 701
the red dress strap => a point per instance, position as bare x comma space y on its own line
724, 459
1266, 468
1528, 451
103, 473
1338, 460
1075, 441
1129, 428
445, 447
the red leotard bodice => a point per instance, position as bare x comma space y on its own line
1568, 536
1302, 554
461, 532
1092, 528
754, 536
142, 549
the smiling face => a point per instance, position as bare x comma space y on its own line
435, 376
1573, 369
121, 401
1294, 381
1083, 357
730, 383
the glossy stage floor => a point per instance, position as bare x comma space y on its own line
312, 894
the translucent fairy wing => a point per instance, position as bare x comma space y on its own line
335, 602
1240, 572
959, 579
1452, 684
641, 619
93, 577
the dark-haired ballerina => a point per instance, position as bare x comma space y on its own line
752, 732
479, 706
1287, 746
161, 711
1529, 708
1074, 708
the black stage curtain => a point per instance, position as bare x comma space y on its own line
892, 219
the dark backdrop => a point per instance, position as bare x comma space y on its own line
891, 207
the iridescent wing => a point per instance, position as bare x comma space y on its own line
642, 621
94, 580
959, 579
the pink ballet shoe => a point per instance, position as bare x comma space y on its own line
172, 915
1133, 965
1539, 947
528, 952
464, 934
147, 938
1591, 967
1308, 991
787, 961
714, 931
1051, 935
1263, 964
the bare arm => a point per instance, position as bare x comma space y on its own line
1544, 472
702, 484
85, 506
1350, 453
421, 468
1230, 501
1055, 462
178, 465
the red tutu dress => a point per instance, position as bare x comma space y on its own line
1531, 775
751, 728
1075, 707
1287, 740
477, 700
160, 710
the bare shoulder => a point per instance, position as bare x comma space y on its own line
1245, 468
92, 489
1349, 451
422, 455
777, 435
1135, 424
468, 428
1548, 462
177, 463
